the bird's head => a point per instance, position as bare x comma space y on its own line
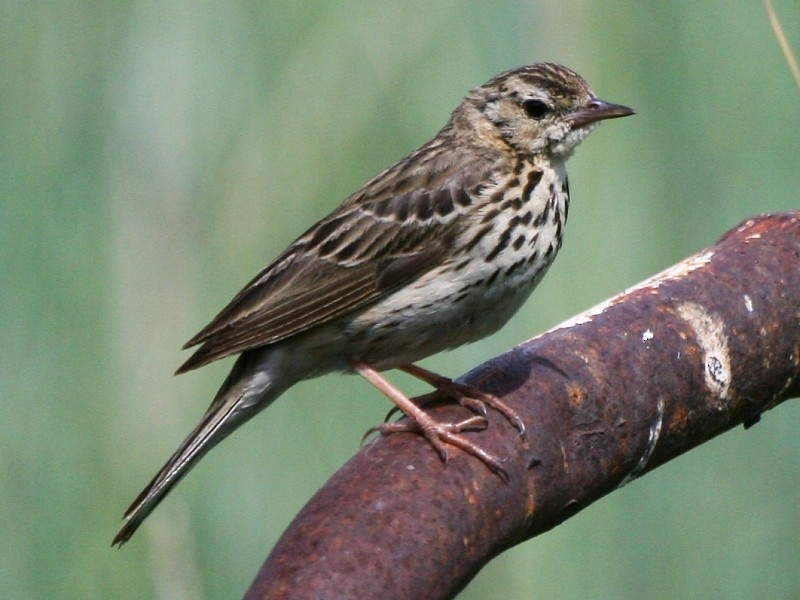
543, 109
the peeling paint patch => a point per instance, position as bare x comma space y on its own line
678, 271
652, 440
710, 334
748, 303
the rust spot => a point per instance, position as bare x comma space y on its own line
680, 414
577, 394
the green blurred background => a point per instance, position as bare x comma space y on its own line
156, 155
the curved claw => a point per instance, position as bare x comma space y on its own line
392, 411
368, 433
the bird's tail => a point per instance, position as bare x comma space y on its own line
245, 391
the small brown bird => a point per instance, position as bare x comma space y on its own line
438, 250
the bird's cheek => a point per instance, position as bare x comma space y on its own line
540, 144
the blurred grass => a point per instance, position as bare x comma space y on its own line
155, 156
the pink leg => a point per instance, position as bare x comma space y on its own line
437, 434
467, 395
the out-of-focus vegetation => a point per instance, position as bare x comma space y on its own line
154, 156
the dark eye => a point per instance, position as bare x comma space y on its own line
536, 109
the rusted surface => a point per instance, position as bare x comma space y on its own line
703, 347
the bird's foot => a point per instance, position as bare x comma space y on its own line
439, 435
467, 396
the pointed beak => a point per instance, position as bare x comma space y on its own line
597, 110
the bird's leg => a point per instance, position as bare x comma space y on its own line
467, 395
438, 434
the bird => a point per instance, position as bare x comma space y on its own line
436, 251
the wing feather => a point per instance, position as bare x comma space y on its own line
357, 255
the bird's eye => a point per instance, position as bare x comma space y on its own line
535, 109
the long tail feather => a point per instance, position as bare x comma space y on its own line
236, 401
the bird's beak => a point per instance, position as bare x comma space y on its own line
597, 110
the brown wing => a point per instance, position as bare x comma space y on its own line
372, 245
